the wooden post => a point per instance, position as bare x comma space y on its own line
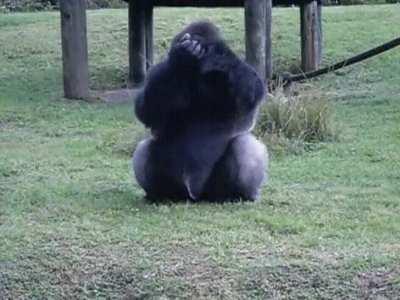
255, 34
74, 49
137, 43
309, 36
268, 41
149, 36
320, 33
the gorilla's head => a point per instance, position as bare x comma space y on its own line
203, 31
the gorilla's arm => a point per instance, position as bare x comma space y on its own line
167, 90
230, 73
163, 94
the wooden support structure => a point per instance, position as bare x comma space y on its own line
255, 34
258, 23
149, 36
268, 40
310, 36
137, 43
320, 33
74, 49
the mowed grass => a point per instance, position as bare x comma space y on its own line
73, 223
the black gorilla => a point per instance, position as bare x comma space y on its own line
200, 104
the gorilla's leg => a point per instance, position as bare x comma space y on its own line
241, 172
154, 174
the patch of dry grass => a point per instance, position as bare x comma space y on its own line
295, 119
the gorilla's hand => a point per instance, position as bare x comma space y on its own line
192, 46
187, 52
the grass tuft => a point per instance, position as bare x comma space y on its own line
296, 120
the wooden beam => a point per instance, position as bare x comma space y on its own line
199, 3
268, 40
310, 51
137, 43
255, 34
149, 36
74, 49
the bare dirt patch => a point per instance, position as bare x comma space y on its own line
117, 96
381, 284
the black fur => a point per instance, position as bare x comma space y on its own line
200, 104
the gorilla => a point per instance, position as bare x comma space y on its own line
200, 104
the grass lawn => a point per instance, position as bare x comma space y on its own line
73, 224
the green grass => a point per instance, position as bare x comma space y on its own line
73, 224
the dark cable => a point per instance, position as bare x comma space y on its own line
289, 78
